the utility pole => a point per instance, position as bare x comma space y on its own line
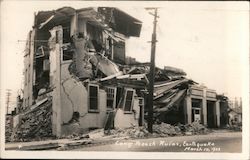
8, 93
152, 74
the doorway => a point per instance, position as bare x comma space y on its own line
196, 110
211, 114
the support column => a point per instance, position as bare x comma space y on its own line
204, 106
217, 107
55, 77
188, 114
74, 25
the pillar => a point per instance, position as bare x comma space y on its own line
204, 106
217, 111
55, 78
188, 110
74, 25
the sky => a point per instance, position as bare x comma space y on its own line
208, 40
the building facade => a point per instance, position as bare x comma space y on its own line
202, 105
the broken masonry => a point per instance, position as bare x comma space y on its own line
78, 58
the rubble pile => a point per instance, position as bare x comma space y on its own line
8, 129
132, 132
35, 125
165, 129
161, 130
194, 128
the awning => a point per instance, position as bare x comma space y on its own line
165, 87
175, 99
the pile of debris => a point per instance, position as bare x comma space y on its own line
135, 132
194, 128
160, 130
35, 124
165, 129
8, 128
132, 132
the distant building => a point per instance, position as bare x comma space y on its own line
235, 116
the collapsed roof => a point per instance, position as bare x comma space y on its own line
104, 17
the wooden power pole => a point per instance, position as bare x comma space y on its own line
152, 74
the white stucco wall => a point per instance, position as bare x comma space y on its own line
125, 120
73, 91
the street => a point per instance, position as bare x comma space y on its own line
214, 142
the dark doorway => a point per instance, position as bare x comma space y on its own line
211, 116
224, 114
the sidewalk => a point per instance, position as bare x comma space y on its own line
44, 145
65, 144
59, 144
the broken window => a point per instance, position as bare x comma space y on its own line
128, 100
93, 98
66, 35
68, 52
67, 55
119, 52
111, 96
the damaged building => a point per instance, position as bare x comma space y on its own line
76, 60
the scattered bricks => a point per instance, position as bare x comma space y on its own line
197, 128
35, 125
164, 129
132, 132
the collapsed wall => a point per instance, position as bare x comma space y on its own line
35, 124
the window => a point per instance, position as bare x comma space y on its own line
128, 101
66, 34
67, 55
197, 111
93, 98
119, 52
111, 97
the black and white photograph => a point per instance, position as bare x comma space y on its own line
125, 79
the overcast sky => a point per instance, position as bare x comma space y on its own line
208, 40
